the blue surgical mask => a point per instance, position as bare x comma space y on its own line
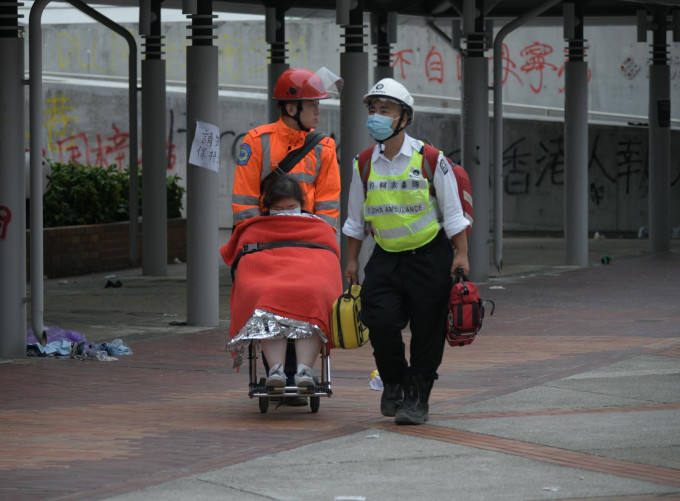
286, 211
380, 126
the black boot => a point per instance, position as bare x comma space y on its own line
392, 397
415, 408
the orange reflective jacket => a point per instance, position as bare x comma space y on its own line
318, 173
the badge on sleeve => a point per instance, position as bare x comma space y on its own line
444, 166
244, 154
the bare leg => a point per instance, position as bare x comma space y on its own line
307, 350
275, 351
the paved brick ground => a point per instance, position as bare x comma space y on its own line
87, 430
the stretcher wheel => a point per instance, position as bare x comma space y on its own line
264, 404
314, 403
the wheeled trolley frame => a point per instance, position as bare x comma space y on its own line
257, 388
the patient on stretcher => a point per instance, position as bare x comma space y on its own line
286, 271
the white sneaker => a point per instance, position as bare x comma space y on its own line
304, 377
276, 378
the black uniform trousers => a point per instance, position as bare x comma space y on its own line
408, 287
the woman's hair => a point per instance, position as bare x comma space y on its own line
281, 187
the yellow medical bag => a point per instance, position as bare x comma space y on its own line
347, 331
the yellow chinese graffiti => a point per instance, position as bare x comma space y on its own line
58, 118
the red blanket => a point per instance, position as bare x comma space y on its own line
294, 282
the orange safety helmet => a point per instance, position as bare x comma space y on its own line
297, 84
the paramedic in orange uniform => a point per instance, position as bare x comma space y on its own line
298, 92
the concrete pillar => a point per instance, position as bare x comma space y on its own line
202, 184
659, 138
275, 24
475, 134
35, 101
35, 126
383, 35
354, 136
12, 192
154, 164
498, 123
575, 139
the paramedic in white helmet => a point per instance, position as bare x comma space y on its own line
421, 240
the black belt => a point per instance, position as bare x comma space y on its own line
437, 240
250, 248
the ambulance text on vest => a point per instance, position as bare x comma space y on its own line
376, 210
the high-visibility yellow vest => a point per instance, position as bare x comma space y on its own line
399, 208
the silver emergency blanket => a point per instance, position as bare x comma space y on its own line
263, 325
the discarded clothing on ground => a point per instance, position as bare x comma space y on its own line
67, 343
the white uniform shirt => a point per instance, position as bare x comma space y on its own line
445, 186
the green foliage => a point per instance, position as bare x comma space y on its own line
175, 194
79, 194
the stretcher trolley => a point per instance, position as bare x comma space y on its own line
265, 394
288, 277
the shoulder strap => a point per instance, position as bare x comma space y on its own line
293, 157
430, 156
364, 163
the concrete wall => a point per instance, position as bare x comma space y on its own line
533, 59
86, 120
94, 248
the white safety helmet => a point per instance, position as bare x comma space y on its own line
390, 89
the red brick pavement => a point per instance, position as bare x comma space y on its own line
82, 429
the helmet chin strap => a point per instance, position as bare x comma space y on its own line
296, 117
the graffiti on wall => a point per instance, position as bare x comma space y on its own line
5, 218
236, 56
533, 68
529, 166
65, 143
531, 65
536, 63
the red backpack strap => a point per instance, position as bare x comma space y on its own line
430, 157
464, 193
364, 163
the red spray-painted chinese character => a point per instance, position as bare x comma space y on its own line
400, 59
434, 66
5, 218
508, 65
100, 159
171, 158
535, 57
118, 146
74, 152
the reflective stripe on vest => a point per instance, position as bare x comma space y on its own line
399, 208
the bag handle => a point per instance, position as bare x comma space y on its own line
459, 277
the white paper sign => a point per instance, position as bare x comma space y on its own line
205, 149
